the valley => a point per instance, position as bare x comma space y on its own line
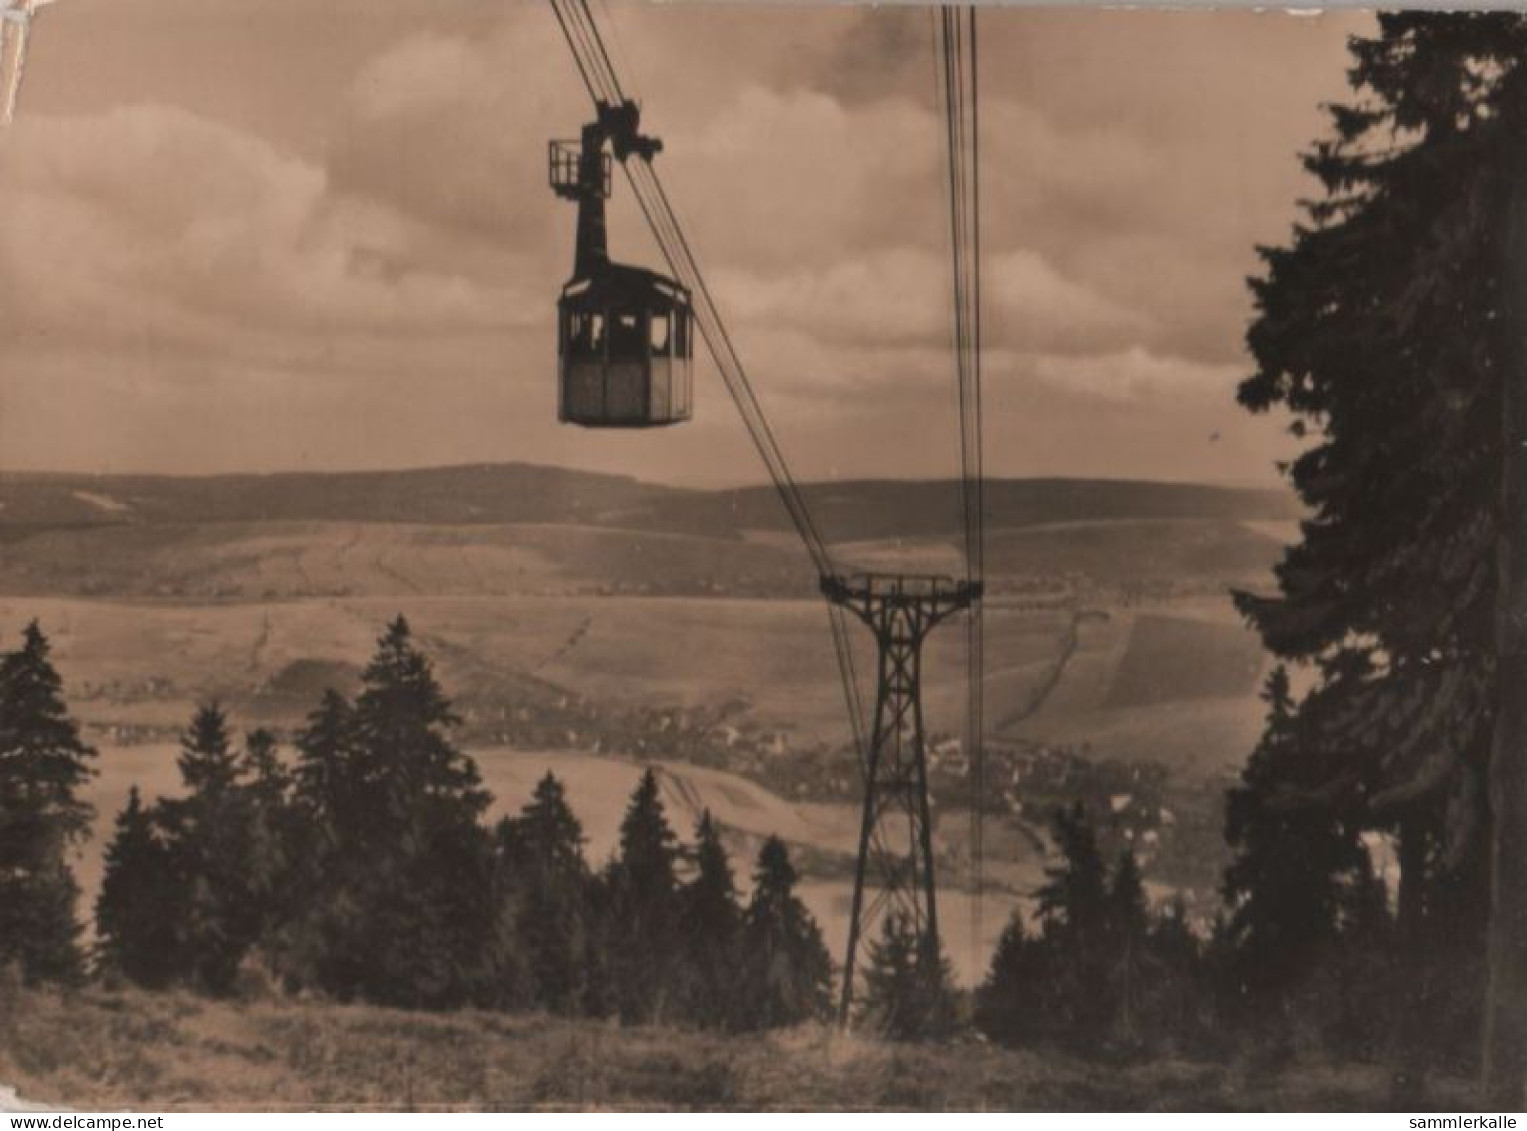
679, 629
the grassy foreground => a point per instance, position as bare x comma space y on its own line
103, 1050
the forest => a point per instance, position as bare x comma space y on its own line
356, 866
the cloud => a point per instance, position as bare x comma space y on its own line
364, 262
1134, 375
1032, 305
1142, 216
778, 177
901, 297
452, 132
155, 225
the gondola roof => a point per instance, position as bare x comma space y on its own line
620, 286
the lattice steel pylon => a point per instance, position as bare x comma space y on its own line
896, 829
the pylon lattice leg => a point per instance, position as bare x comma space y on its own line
894, 873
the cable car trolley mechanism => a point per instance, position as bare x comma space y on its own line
624, 333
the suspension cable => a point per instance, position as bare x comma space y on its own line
959, 95
593, 59
679, 255
600, 78
584, 38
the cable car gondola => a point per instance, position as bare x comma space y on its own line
624, 333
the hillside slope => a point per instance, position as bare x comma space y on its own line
118, 1051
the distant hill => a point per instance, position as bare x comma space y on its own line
501, 493
517, 528
878, 508
525, 493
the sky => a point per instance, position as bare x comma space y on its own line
261, 235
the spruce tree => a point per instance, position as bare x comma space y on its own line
275, 830
209, 836
907, 995
1008, 999
325, 779
1386, 327
1292, 856
1077, 942
208, 762
1378, 327
709, 922
401, 724
1129, 926
260, 766
548, 881
328, 845
644, 908
1177, 991
1074, 896
1362, 1002
43, 764
785, 973
135, 913
1154, 992
411, 917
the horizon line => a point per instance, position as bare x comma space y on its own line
745, 485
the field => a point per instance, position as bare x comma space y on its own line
146, 664
1129, 684
530, 585
106, 1050
254, 561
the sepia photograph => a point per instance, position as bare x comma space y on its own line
618, 556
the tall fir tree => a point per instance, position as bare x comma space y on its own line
548, 881
1361, 1004
1384, 326
1292, 856
785, 973
644, 909
325, 780
1178, 990
275, 832
328, 846
208, 761
1008, 998
136, 911
409, 917
907, 994
1157, 993
43, 765
709, 922
401, 724
1077, 941
1129, 929
209, 836
1074, 896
